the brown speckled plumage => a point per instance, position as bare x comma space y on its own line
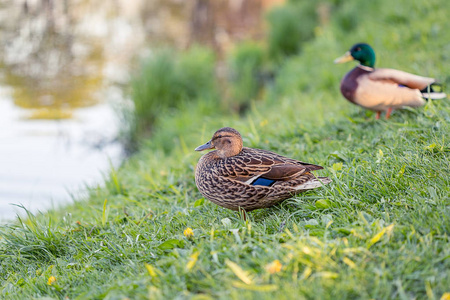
227, 176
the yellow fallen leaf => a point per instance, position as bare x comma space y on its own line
337, 166
326, 274
306, 250
154, 293
192, 261
241, 274
252, 287
306, 273
376, 238
445, 296
349, 262
200, 297
151, 270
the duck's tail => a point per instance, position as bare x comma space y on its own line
433, 91
313, 183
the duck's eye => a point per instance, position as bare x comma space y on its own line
358, 49
219, 136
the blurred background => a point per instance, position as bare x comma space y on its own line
64, 71
84, 84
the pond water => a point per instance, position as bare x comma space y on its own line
63, 66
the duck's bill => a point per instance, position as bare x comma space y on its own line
344, 58
208, 145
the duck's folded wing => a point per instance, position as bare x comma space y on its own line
401, 78
269, 158
267, 176
284, 172
266, 171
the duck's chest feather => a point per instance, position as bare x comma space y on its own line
350, 83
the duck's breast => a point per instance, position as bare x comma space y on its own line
351, 82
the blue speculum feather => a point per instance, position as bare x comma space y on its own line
263, 181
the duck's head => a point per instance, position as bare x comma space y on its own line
227, 141
361, 52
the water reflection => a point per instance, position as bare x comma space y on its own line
55, 53
43, 162
61, 66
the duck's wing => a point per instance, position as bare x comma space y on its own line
262, 167
401, 78
270, 157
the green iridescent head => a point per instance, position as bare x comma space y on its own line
361, 52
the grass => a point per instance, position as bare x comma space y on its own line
379, 231
246, 75
286, 34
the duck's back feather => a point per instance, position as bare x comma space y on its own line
257, 162
272, 158
401, 78
380, 89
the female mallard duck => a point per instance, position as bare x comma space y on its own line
236, 177
383, 89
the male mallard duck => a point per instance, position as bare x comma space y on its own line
236, 177
383, 89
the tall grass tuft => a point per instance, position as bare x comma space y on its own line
164, 82
32, 239
290, 26
246, 74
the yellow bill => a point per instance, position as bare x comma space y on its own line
344, 58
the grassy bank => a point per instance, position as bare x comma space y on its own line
380, 230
